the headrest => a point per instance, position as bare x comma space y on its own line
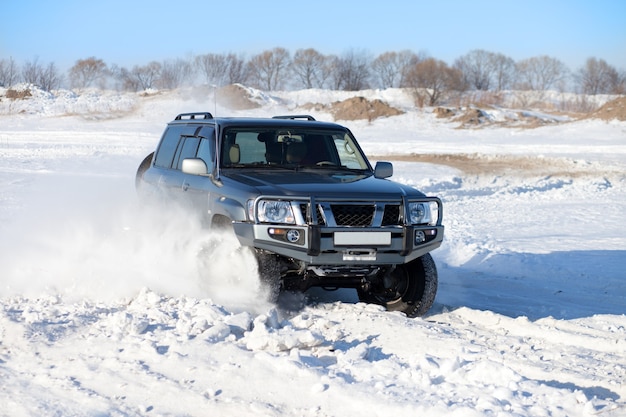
296, 151
234, 154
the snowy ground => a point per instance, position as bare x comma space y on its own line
106, 308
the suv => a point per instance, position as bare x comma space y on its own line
302, 194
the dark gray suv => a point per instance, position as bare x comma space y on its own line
303, 195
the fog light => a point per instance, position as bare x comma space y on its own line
276, 232
420, 237
293, 235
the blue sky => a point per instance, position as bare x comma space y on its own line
130, 32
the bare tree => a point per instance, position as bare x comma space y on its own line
139, 77
147, 75
310, 68
431, 79
31, 71
598, 77
214, 68
51, 78
540, 73
385, 70
486, 71
408, 60
47, 78
126, 80
222, 69
174, 73
504, 70
87, 71
618, 82
269, 69
390, 68
477, 68
238, 71
351, 71
9, 72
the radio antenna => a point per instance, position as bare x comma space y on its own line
218, 147
215, 99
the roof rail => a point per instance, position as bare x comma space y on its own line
295, 116
191, 116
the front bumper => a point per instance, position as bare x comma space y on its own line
318, 245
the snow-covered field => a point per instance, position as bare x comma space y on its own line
112, 309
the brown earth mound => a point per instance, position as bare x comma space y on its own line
442, 112
236, 97
18, 94
472, 117
614, 109
360, 108
476, 164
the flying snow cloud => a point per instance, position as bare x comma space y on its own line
87, 236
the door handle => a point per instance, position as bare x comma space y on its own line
185, 186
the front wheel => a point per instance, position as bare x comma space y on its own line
269, 274
410, 288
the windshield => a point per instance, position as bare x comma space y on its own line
290, 148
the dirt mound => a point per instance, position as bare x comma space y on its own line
472, 117
236, 97
360, 108
443, 112
18, 94
476, 164
614, 109
467, 117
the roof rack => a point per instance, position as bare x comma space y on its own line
296, 116
192, 116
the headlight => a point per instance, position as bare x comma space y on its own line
423, 213
274, 211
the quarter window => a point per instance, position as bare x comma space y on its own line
167, 148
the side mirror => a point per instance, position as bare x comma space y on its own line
383, 170
194, 166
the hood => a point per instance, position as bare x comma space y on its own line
320, 183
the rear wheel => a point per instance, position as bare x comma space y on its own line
410, 288
143, 167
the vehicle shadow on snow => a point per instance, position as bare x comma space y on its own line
296, 301
562, 285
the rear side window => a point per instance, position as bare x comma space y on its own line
167, 148
188, 149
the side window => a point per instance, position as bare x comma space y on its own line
348, 154
188, 149
167, 147
206, 151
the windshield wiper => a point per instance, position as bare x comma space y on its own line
257, 165
337, 168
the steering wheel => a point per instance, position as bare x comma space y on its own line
325, 163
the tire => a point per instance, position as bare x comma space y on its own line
409, 288
269, 274
143, 167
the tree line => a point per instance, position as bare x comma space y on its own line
278, 69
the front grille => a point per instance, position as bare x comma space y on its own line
304, 208
391, 216
354, 215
